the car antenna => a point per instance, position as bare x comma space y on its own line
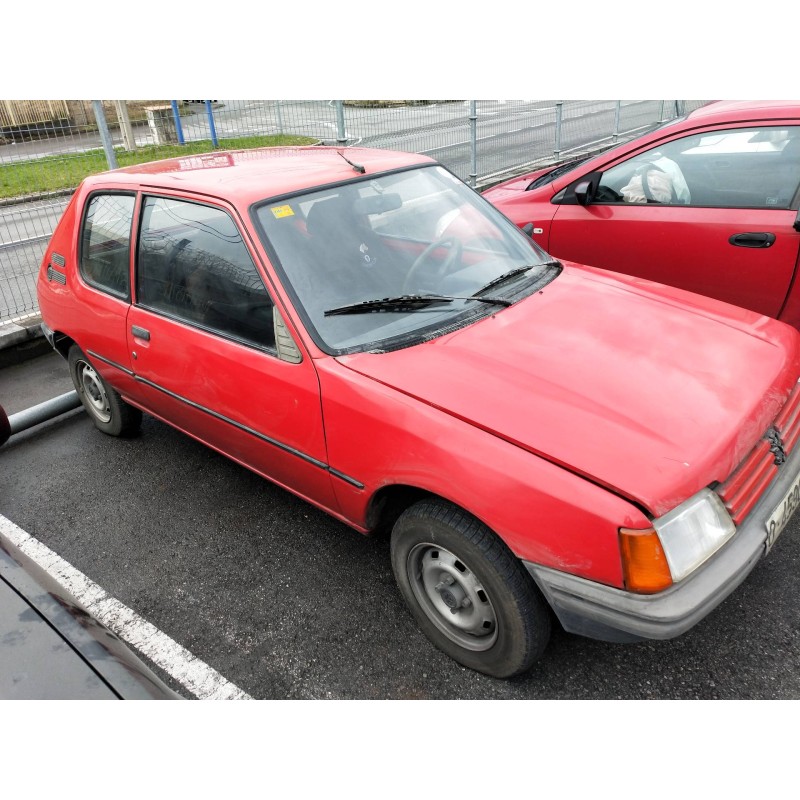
357, 167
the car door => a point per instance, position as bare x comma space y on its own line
103, 290
213, 354
713, 212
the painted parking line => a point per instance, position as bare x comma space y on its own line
195, 675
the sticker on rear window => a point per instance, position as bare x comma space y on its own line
282, 211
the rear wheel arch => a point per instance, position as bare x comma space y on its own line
62, 344
104, 405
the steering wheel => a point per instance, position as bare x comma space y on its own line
455, 248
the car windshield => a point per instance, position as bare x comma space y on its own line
399, 235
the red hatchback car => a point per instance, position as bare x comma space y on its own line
708, 203
363, 329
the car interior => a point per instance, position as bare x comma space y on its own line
732, 169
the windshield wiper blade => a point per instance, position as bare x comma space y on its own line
408, 302
512, 273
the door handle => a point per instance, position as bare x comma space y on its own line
140, 333
752, 239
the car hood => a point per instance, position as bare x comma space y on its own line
650, 391
513, 187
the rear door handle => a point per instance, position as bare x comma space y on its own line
140, 333
752, 239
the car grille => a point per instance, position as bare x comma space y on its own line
745, 486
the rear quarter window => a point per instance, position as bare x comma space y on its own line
106, 243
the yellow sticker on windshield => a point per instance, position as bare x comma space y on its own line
282, 211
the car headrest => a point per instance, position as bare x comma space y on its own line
791, 149
326, 217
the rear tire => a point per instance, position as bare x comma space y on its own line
445, 559
109, 412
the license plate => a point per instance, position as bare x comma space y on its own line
783, 513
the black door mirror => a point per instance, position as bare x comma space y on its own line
584, 192
528, 229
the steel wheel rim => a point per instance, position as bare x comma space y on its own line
452, 597
94, 392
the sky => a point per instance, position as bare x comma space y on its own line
391, 50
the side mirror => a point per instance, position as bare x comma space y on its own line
584, 192
528, 230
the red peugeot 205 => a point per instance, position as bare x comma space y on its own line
363, 329
708, 203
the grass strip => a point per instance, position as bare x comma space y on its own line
67, 170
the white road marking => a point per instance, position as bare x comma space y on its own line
193, 674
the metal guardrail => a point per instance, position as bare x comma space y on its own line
481, 141
36, 415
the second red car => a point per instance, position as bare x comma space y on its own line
708, 203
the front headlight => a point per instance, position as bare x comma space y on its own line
693, 532
679, 542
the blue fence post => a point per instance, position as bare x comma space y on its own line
177, 117
211, 125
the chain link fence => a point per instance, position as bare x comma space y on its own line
47, 147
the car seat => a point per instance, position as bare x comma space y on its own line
789, 174
345, 247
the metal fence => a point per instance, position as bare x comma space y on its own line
47, 147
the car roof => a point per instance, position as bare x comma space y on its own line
742, 110
245, 176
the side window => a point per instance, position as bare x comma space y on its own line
106, 243
737, 168
193, 264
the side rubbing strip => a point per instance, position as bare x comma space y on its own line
110, 363
274, 442
270, 440
346, 478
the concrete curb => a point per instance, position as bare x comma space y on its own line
22, 339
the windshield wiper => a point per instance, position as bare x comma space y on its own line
408, 302
512, 273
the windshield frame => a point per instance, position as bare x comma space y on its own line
527, 284
612, 150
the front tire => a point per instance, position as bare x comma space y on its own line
109, 412
469, 593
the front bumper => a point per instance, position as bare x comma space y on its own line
613, 615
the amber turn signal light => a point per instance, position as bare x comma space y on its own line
644, 563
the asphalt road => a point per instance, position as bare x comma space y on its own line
287, 603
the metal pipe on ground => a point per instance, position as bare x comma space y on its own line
37, 414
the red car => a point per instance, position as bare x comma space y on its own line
708, 203
366, 331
